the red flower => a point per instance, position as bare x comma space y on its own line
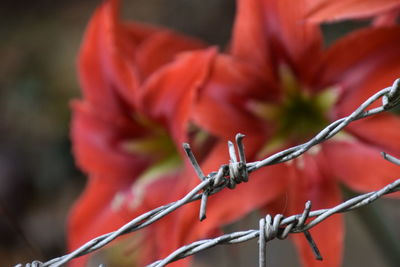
326, 10
277, 84
127, 150
280, 86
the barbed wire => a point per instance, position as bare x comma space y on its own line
279, 227
229, 175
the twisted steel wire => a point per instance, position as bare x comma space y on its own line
279, 226
229, 175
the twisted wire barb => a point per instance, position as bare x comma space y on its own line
229, 175
270, 228
279, 227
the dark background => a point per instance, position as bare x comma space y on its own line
39, 41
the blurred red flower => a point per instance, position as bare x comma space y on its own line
326, 10
129, 153
280, 86
146, 90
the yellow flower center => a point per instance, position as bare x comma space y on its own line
302, 115
156, 144
299, 115
160, 148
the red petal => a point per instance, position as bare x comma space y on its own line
103, 63
118, 56
327, 10
387, 19
222, 105
263, 29
380, 130
92, 215
159, 248
361, 64
329, 237
107, 205
168, 95
161, 48
315, 183
360, 166
249, 41
98, 143
155, 246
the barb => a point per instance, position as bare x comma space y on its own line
280, 227
231, 174
270, 229
391, 158
228, 174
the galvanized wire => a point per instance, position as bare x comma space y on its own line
229, 175
271, 229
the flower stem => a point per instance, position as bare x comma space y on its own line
374, 222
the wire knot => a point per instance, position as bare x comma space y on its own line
237, 169
271, 228
392, 98
237, 174
228, 174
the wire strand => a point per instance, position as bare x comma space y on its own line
235, 172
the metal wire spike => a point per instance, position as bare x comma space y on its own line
313, 245
390, 158
262, 244
220, 174
203, 206
300, 224
232, 152
305, 214
233, 160
200, 174
240, 146
193, 161
237, 169
242, 157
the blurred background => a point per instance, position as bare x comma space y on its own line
38, 180
39, 41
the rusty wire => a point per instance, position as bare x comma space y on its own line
228, 175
